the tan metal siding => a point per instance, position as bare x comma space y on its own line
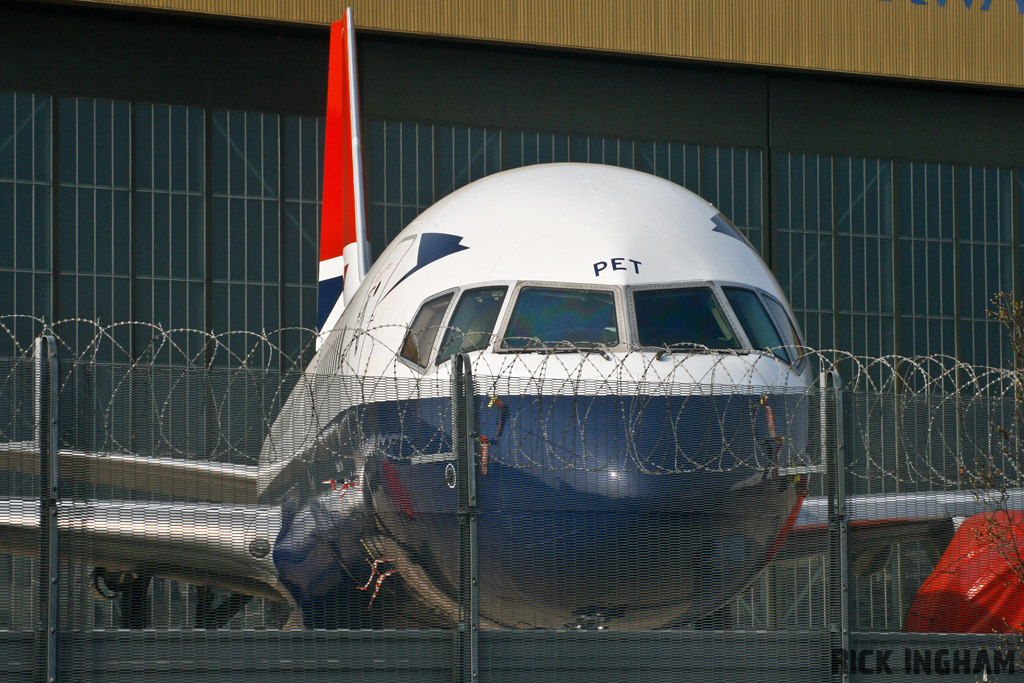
886, 38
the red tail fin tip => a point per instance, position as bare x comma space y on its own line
344, 247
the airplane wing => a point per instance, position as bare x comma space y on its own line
865, 511
223, 542
175, 477
206, 544
876, 521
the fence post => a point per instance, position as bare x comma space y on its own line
464, 435
47, 395
839, 566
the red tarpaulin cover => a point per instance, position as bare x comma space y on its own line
976, 587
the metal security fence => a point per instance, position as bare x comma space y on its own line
183, 506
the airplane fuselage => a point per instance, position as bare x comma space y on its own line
631, 473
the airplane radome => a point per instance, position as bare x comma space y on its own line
630, 472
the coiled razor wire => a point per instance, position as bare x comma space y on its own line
928, 421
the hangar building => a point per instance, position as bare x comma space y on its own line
160, 159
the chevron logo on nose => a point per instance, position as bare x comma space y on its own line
434, 246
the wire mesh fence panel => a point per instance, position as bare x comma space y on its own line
224, 510
20, 620
645, 507
170, 542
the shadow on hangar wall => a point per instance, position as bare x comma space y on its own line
226, 63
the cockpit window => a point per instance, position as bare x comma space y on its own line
681, 316
756, 322
473, 321
549, 317
786, 326
419, 340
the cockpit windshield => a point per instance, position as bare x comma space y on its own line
419, 339
682, 316
472, 322
786, 326
549, 317
756, 321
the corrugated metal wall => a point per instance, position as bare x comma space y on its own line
961, 42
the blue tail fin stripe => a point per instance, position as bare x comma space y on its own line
327, 295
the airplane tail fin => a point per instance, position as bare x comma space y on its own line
344, 247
